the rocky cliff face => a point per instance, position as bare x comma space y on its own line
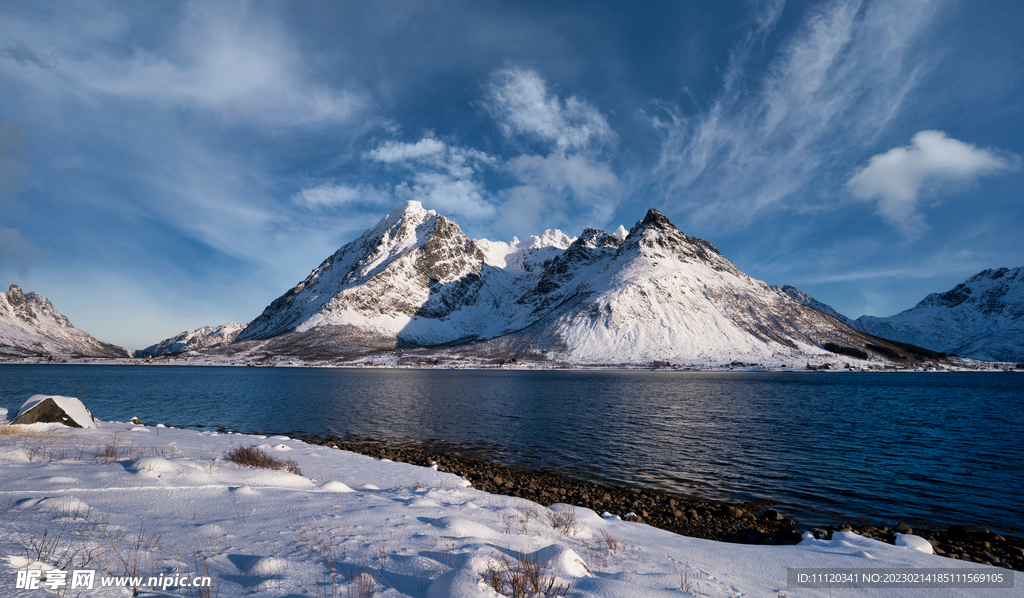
30, 326
653, 293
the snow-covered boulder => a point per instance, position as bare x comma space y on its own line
914, 543
55, 409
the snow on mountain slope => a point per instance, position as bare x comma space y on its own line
413, 279
664, 296
29, 326
654, 293
200, 338
980, 318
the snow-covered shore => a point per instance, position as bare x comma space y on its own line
166, 501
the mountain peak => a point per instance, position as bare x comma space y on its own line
412, 206
656, 218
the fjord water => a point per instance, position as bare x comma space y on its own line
929, 449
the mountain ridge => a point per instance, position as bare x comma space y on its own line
980, 318
31, 326
652, 293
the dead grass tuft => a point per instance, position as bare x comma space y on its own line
563, 519
522, 577
247, 456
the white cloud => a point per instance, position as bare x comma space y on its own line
454, 196
559, 172
396, 151
336, 196
442, 176
521, 103
528, 209
450, 177
833, 88
932, 163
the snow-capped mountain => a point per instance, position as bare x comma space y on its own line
30, 326
981, 318
190, 340
654, 293
806, 299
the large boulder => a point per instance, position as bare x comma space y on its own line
55, 409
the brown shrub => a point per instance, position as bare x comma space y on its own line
247, 456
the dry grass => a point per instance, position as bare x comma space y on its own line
522, 577
23, 431
118, 450
563, 519
246, 456
611, 542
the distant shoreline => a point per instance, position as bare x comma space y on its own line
967, 367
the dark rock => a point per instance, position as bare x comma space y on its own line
136, 421
793, 536
903, 528
966, 531
772, 515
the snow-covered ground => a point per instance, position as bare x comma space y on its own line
164, 501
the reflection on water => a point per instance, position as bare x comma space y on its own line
926, 448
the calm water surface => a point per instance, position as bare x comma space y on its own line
930, 449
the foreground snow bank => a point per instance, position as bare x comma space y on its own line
162, 502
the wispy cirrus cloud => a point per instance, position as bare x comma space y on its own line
829, 91
932, 164
227, 57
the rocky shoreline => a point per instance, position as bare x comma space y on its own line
744, 522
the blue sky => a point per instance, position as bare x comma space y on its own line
165, 166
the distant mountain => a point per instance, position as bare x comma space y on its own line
190, 340
981, 318
30, 326
652, 294
806, 299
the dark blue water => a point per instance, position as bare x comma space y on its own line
929, 449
